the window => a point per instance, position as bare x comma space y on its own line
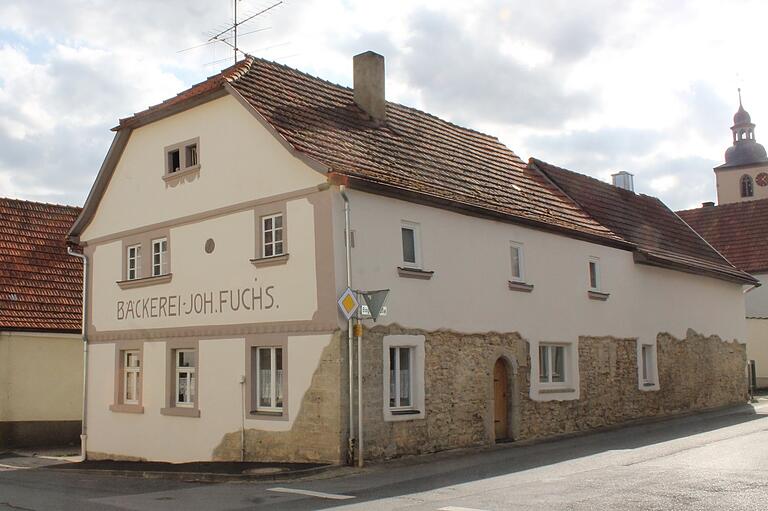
159, 257
594, 274
403, 382
182, 157
174, 161
272, 235
400, 377
747, 187
269, 380
551, 363
133, 262
646, 355
410, 238
131, 377
191, 155
516, 253
185, 362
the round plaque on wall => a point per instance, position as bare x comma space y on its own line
762, 179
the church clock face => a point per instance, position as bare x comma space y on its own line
762, 179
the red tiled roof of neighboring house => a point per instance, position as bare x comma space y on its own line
661, 237
738, 230
40, 284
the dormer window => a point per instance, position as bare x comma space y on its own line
747, 186
182, 158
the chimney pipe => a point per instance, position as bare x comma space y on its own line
623, 180
369, 84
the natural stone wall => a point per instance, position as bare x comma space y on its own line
319, 431
694, 373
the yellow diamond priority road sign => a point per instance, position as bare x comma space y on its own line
348, 303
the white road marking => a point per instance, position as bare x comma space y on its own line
11, 467
311, 493
454, 508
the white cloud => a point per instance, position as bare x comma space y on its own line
643, 86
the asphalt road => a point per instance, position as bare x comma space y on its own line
713, 461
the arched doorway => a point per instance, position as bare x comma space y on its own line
500, 400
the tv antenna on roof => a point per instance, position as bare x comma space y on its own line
223, 36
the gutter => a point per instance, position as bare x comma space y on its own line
348, 249
84, 430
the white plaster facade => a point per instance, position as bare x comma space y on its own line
469, 290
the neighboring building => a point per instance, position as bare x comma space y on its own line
738, 227
526, 301
41, 352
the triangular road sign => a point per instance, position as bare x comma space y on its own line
375, 301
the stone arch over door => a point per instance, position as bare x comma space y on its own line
510, 365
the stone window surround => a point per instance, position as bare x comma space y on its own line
566, 390
145, 269
117, 403
170, 378
264, 341
259, 212
168, 174
417, 377
653, 383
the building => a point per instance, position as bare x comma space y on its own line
736, 229
525, 300
41, 352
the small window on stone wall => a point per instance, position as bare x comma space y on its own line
648, 364
403, 372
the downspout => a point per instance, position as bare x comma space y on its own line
84, 429
348, 246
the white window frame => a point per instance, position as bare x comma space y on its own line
411, 358
190, 375
272, 378
191, 155
647, 371
598, 274
549, 350
416, 229
514, 245
161, 268
274, 230
417, 409
135, 259
136, 371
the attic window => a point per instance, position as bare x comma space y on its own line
182, 158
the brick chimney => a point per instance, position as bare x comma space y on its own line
369, 84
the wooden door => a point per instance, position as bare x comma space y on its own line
500, 385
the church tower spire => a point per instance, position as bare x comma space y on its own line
745, 149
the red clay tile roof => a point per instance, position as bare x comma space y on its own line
739, 231
40, 284
661, 237
417, 155
412, 152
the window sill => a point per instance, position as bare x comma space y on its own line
414, 273
146, 281
559, 390
598, 295
179, 411
123, 408
520, 286
270, 261
173, 176
405, 412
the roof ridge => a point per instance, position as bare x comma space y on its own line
27, 201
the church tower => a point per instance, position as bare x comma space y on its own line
744, 175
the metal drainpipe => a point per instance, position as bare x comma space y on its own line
84, 430
348, 246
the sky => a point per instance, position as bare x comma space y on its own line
649, 87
